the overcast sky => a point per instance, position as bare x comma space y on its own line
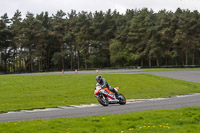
52, 6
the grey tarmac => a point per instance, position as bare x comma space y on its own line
190, 75
71, 112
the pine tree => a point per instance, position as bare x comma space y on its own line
59, 32
5, 37
16, 44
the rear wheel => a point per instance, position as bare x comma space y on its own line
103, 100
122, 99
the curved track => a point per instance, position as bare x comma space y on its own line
163, 103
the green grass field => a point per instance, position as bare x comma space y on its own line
186, 120
43, 91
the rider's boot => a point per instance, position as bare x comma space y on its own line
116, 93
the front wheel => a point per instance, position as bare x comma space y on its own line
122, 99
103, 100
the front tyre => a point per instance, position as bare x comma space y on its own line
122, 99
103, 100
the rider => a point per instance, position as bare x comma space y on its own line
104, 84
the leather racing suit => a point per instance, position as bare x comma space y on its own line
104, 84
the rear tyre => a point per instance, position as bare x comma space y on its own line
122, 99
103, 100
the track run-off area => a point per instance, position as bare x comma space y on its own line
133, 105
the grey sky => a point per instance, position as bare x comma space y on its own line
52, 6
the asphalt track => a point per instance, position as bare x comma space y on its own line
94, 110
192, 75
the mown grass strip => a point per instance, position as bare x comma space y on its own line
44, 91
161, 121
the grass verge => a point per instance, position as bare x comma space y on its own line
161, 121
43, 91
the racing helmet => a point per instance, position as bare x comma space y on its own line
98, 79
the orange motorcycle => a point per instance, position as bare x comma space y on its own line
106, 97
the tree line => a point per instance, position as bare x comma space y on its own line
83, 40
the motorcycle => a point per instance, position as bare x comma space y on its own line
106, 97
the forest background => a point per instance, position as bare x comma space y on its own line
85, 40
